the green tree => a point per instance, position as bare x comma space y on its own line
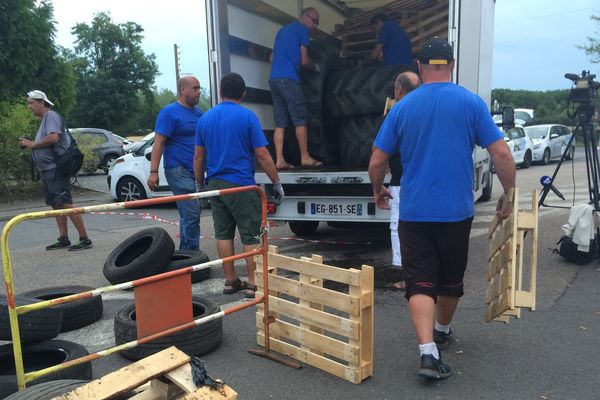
112, 71
592, 48
29, 59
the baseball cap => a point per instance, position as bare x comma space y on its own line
436, 51
39, 95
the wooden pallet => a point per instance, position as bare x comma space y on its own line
506, 295
328, 329
162, 376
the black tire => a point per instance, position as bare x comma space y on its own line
39, 356
303, 228
546, 157
486, 193
47, 390
356, 139
526, 160
361, 91
76, 314
194, 341
34, 326
186, 258
143, 254
130, 189
107, 161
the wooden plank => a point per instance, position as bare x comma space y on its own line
330, 322
207, 393
129, 377
525, 299
499, 284
313, 342
317, 361
366, 321
158, 391
500, 259
534, 251
501, 236
182, 377
319, 270
526, 221
307, 292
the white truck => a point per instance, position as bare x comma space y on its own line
241, 35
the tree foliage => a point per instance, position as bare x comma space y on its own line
550, 106
112, 73
592, 48
29, 59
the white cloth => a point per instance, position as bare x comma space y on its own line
581, 225
394, 216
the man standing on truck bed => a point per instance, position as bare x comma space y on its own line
435, 129
289, 53
392, 40
175, 133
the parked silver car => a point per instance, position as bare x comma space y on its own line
105, 144
549, 141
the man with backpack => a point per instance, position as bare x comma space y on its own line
51, 139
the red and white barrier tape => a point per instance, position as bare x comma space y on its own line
155, 217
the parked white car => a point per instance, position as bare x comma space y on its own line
521, 145
550, 142
128, 176
133, 146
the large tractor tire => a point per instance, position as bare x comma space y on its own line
361, 91
356, 139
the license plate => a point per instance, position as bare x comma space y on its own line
336, 209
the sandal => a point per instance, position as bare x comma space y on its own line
250, 291
236, 286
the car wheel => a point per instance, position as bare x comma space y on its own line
526, 160
130, 189
108, 161
302, 228
546, 157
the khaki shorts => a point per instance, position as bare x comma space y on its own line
240, 209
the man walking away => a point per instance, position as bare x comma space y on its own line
435, 129
404, 83
228, 139
392, 41
51, 136
175, 133
289, 52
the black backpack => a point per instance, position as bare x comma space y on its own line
71, 161
568, 249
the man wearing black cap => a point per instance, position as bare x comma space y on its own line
435, 128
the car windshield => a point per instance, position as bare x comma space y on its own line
147, 143
536, 132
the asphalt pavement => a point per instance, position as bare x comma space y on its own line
549, 353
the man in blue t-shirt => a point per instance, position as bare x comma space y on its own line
228, 139
392, 40
175, 131
289, 53
435, 128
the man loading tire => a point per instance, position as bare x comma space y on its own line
392, 41
289, 53
435, 129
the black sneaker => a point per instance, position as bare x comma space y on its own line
432, 368
443, 339
81, 245
61, 243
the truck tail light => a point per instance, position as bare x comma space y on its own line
271, 208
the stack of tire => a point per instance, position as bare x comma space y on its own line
38, 328
323, 143
355, 99
151, 252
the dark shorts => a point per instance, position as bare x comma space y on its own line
434, 257
288, 103
240, 209
57, 188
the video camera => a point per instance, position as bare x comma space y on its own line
585, 88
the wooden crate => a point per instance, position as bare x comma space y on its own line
328, 329
162, 376
506, 295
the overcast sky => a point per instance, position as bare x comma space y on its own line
535, 41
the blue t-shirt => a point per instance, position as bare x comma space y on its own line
286, 51
396, 44
178, 124
434, 129
230, 133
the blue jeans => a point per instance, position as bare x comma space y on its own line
182, 181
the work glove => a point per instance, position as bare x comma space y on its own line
278, 190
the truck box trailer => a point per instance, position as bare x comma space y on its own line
241, 35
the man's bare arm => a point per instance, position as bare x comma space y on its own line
506, 171
199, 157
266, 162
377, 168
